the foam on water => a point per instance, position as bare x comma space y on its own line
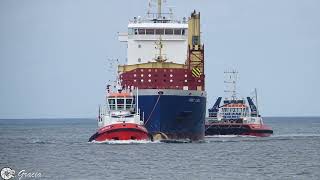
125, 142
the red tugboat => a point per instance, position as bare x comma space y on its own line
235, 117
120, 119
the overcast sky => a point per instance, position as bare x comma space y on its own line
54, 53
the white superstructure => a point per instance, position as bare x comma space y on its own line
144, 33
120, 108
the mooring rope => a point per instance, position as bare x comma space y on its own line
154, 107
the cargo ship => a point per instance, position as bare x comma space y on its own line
165, 60
236, 116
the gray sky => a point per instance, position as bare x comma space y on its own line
53, 54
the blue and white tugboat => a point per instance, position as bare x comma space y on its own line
236, 116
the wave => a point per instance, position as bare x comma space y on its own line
274, 137
228, 136
38, 141
296, 135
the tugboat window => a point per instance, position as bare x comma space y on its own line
112, 104
128, 103
120, 104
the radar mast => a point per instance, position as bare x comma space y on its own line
231, 78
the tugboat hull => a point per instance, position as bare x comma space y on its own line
121, 131
238, 129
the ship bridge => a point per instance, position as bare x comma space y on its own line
143, 34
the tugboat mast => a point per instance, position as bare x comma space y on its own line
232, 79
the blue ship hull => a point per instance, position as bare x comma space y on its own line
179, 114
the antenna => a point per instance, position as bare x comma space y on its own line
256, 94
149, 8
171, 12
232, 79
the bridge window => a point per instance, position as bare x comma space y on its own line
177, 31
168, 31
159, 31
149, 31
142, 31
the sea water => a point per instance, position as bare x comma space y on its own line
58, 149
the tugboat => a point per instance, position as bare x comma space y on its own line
236, 116
120, 118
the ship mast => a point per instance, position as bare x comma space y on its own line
159, 8
160, 57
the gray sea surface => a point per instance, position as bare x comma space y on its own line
58, 149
